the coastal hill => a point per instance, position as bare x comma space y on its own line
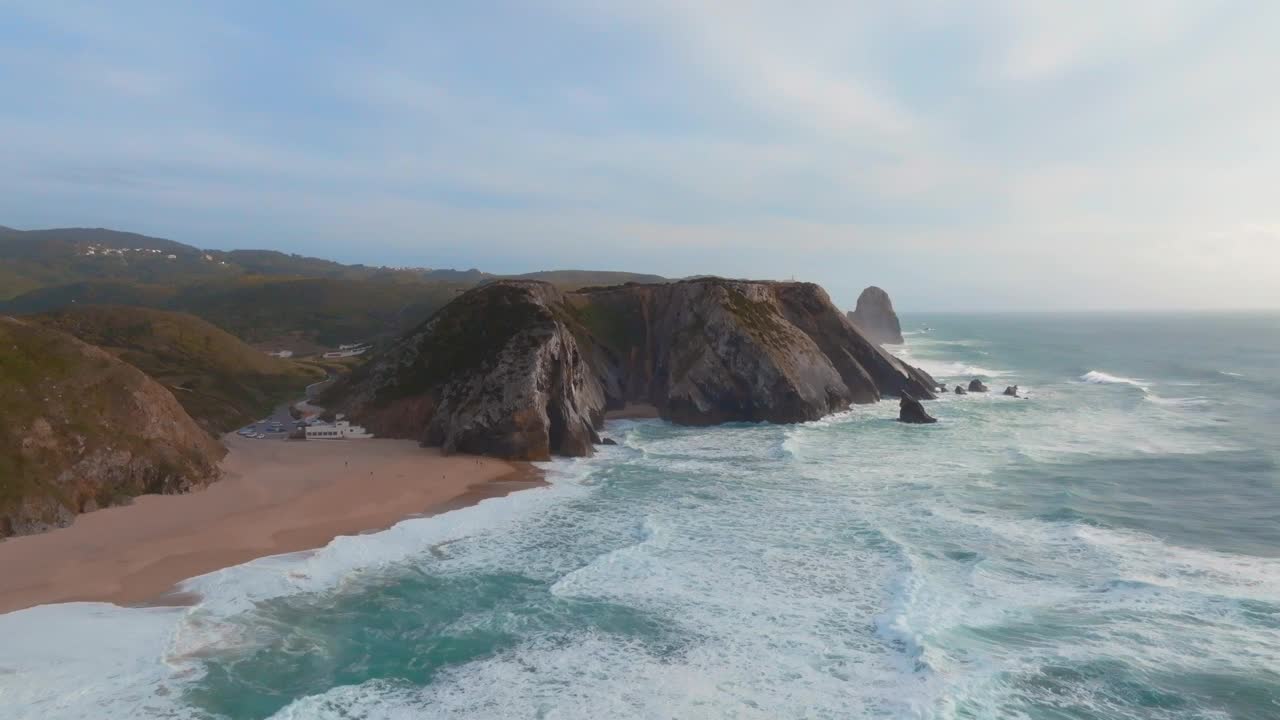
523, 370
83, 429
259, 296
220, 381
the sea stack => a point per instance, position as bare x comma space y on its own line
875, 317
911, 411
1011, 391
975, 385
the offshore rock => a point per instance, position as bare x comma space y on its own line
961, 391
911, 411
874, 315
975, 385
1011, 391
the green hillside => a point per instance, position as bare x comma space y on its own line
83, 430
219, 380
260, 296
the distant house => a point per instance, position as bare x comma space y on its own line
280, 353
341, 430
352, 346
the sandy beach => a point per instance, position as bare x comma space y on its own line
275, 497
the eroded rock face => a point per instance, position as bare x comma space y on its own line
545, 364
874, 315
496, 372
910, 410
84, 430
713, 350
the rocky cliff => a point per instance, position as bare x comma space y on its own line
874, 315
521, 370
84, 430
497, 372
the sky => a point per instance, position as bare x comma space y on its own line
983, 155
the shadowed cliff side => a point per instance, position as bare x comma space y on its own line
83, 430
520, 370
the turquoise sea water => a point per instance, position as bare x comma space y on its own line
1108, 547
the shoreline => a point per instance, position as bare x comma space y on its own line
274, 497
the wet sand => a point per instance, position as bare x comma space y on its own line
275, 497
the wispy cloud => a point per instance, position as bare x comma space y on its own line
951, 152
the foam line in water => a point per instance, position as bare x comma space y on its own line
1098, 377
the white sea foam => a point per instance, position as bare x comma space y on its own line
838, 568
943, 368
139, 658
1098, 377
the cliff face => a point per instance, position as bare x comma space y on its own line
711, 350
520, 370
83, 430
874, 315
497, 372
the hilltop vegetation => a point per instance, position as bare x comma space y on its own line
83, 430
220, 381
257, 295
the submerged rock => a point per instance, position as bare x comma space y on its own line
874, 315
1011, 391
975, 385
961, 391
608, 441
912, 411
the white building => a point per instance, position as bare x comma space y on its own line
281, 353
341, 430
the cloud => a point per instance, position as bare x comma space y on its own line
1001, 152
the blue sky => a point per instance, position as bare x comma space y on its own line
995, 154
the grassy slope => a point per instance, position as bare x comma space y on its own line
258, 295
220, 381
62, 402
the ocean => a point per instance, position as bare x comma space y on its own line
1107, 546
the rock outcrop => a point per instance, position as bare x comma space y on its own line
83, 430
874, 315
1011, 391
910, 410
961, 391
498, 371
975, 385
520, 370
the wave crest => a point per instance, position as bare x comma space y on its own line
1098, 377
